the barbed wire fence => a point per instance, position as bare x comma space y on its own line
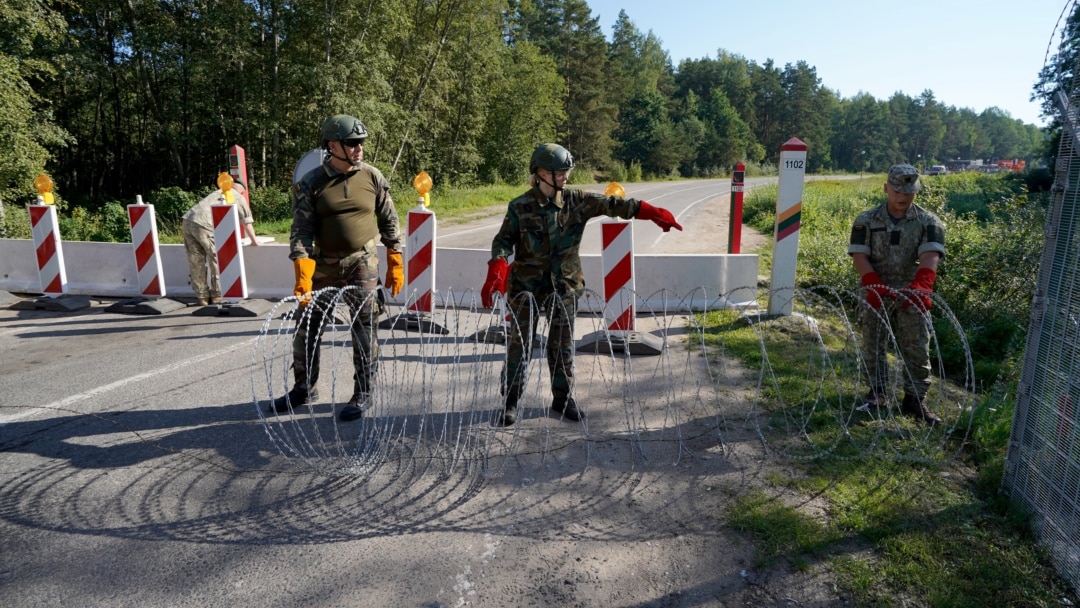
438, 396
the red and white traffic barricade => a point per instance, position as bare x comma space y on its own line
620, 296
230, 251
617, 261
48, 248
419, 265
144, 240
420, 259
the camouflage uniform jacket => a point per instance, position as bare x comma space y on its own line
894, 247
544, 235
200, 215
336, 214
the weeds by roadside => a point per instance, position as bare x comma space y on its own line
898, 530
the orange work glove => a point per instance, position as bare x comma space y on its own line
395, 272
875, 289
304, 268
920, 288
658, 215
495, 282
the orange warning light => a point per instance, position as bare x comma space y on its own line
44, 185
422, 183
225, 182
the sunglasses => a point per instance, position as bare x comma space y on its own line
353, 143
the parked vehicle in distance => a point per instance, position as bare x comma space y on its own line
937, 170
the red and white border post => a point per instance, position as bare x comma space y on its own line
144, 240
786, 230
238, 170
734, 243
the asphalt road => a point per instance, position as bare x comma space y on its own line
137, 470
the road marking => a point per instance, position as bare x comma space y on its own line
70, 400
684, 212
450, 233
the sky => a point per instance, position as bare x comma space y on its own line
970, 54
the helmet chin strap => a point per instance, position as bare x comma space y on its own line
343, 159
551, 183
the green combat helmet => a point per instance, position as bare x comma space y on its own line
341, 127
552, 157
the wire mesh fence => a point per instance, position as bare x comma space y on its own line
1042, 469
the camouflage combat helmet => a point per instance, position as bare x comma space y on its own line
552, 157
342, 126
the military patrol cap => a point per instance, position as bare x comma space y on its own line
904, 178
341, 127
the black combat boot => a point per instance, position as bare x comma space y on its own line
355, 408
567, 407
299, 395
917, 407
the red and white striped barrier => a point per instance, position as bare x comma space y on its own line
144, 240
230, 251
50, 252
617, 263
420, 262
620, 297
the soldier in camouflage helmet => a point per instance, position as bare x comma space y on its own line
895, 248
339, 208
542, 229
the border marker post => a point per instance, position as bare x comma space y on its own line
735, 219
786, 229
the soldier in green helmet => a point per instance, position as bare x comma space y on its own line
542, 230
339, 208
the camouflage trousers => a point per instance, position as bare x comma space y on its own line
360, 272
912, 334
524, 317
202, 260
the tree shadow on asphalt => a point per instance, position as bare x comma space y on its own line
208, 474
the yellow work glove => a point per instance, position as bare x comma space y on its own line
304, 269
395, 272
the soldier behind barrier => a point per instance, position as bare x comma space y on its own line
895, 248
339, 208
198, 230
542, 229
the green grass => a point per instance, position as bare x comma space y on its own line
910, 526
895, 532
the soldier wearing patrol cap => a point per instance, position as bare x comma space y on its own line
895, 248
542, 229
339, 208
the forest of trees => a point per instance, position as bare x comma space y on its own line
117, 98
